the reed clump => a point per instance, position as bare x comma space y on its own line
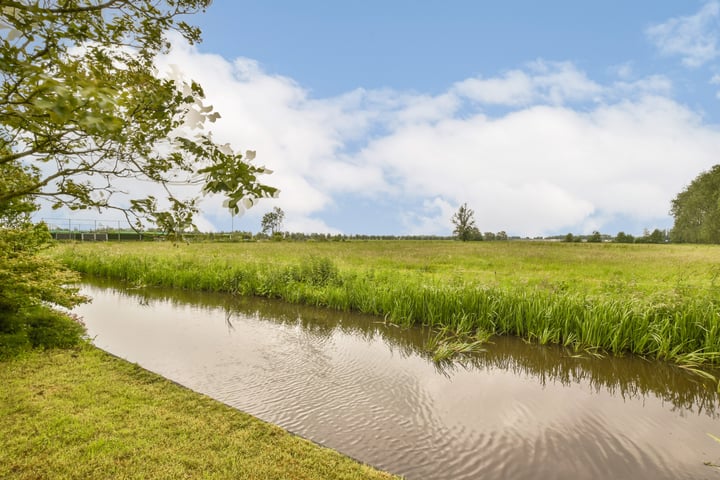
676, 324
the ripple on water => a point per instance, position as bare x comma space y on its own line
361, 390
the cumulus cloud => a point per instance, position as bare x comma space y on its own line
695, 38
541, 166
542, 149
548, 82
433, 218
541, 169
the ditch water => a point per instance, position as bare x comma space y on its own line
368, 390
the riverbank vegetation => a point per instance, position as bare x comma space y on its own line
659, 301
81, 413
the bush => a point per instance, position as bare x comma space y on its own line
29, 282
38, 327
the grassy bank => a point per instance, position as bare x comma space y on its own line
660, 301
82, 413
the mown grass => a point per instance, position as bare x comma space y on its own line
659, 301
81, 413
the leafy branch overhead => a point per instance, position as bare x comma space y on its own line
82, 108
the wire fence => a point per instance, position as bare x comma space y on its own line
94, 230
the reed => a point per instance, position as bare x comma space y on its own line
668, 315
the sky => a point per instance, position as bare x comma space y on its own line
383, 117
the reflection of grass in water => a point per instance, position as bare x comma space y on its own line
711, 464
629, 378
446, 345
657, 301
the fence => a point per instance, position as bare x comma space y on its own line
93, 230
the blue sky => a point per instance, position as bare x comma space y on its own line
333, 47
382, 117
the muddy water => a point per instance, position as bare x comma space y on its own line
367, 389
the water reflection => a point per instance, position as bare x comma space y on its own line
629, 377
370, 390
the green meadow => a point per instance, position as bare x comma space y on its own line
658, 301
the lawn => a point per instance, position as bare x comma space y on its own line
82, 413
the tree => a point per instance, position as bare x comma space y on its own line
83, 110
569, 238
596, 237
464, 222
623, 237
29, 280
657, 236
697, 210
272, 221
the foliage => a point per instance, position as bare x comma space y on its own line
596, 237
656, 236
29, 280
623, 237
272, 221
27, 277
176, 221
82, 109
697, 210
38, 327
14, 211
464, 222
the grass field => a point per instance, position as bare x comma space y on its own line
81, 413
661, 301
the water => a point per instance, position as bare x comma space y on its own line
367, 389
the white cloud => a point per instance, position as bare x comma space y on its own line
514, 88
548, 82
434, 218
696, 38
543, 165
653, 84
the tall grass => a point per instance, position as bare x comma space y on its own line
671, 323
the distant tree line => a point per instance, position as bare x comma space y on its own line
656, 236
696, 210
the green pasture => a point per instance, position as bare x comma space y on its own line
660, 301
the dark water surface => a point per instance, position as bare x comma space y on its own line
352, 383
